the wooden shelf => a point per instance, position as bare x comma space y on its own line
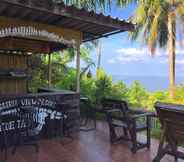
13, 77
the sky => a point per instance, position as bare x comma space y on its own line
120, 56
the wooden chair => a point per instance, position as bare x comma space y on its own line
132, 122
67, 119
88, 115
171, 117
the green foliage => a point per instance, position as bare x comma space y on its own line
88, 88
38, 72
62, 75
154, 97
68, 81
119, 91
137, 94
179, 94
103, 84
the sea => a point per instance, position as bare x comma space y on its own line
150, 83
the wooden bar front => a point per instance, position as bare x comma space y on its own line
50, 107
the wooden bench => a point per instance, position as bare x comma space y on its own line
171, 117
132, 122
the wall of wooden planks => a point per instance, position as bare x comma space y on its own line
13, 85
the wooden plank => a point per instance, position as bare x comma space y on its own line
26, 45
12, 85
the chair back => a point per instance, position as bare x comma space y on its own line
171, 117
110, 104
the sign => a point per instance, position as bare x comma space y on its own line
43, 107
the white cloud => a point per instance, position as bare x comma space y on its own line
125, 55
180, 51
180, 43
181, 61
131, 51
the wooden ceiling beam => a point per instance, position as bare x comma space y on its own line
3, 9
101, 30
54, 20
101, 36
12, 11
96, 30
25, 14
65, 22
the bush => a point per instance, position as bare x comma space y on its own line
137, 95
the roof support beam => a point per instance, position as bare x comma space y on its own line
103, 36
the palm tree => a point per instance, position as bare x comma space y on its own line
99, 54
156, 22
95, 5
90, 4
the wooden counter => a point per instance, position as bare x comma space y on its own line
51, 106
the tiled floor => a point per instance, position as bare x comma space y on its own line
91, 146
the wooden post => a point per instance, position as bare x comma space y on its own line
99, 53
78, 69
27, 73
49, 70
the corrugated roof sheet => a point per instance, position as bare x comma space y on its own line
92, 25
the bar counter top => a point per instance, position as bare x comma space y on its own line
41, 92
54, 90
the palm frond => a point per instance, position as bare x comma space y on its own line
124, 3
153, 32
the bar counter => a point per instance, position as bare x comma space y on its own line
51, 105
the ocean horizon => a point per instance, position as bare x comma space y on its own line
150, 83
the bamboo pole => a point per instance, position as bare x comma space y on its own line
49, 70
78, 69
27, 73
99, 53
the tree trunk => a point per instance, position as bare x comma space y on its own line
99, 53
171, 52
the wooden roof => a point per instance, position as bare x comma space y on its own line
92, 25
